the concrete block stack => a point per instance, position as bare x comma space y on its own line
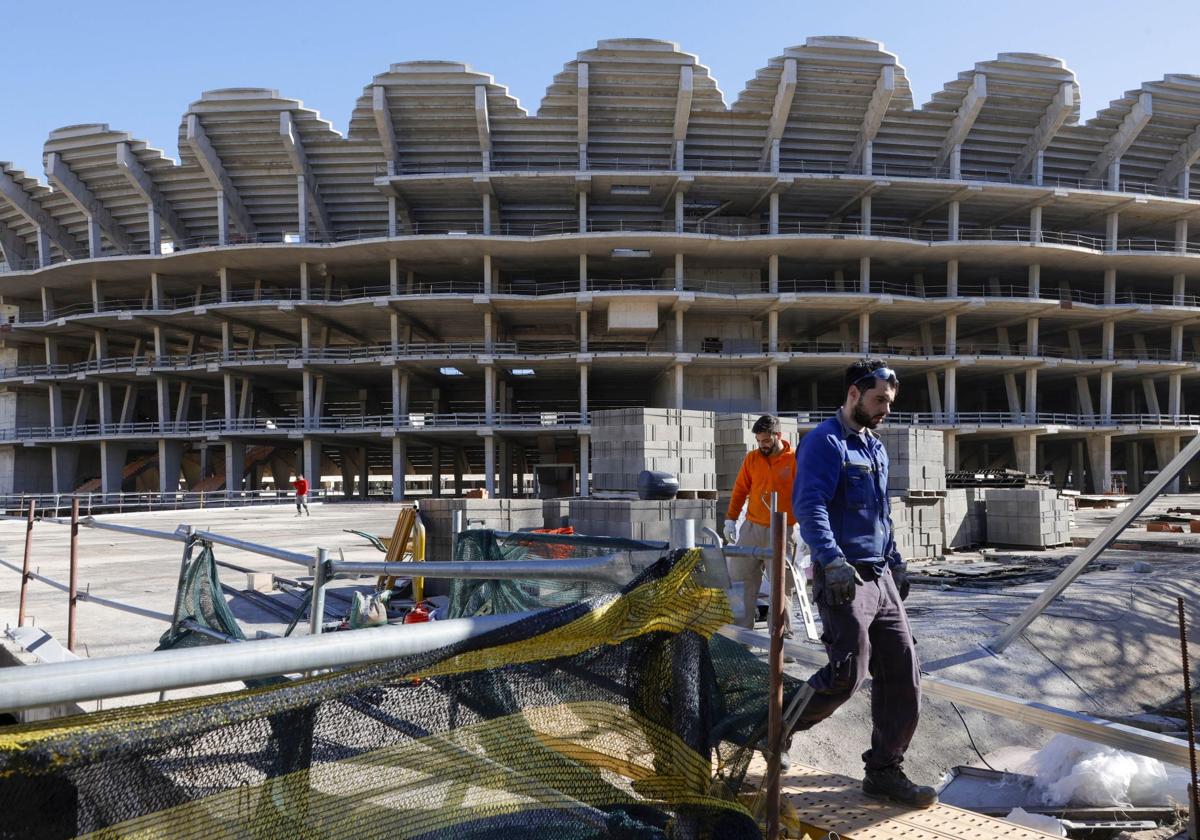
917, 460
555, 513
626, 441
964, 517
1028, 516
917, 525
734, 439
497, 514
640, 519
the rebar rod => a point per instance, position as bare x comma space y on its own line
778, 620
1194, 793
25, 562
72, 591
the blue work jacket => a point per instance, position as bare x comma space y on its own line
840, 496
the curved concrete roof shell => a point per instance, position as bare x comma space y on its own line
833, 104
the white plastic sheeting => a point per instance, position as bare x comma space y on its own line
1041, 822
1070, 771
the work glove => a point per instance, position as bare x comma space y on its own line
840, 581
900, 576
730, 530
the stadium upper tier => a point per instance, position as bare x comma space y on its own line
436, 147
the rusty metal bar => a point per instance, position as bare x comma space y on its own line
73, 586
778, 621
25, 562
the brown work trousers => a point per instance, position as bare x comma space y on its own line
869, 635
749, 571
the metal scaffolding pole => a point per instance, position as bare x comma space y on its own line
25, 563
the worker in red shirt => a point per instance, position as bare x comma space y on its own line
301, 485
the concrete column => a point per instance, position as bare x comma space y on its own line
1106, 393
864, 275
678, 330
1014, 397
235, 466
864, 333
364, 474
57, 420
1110, 286
952, 334
1185, 186
773, 274
951, 396
489, 394
771, 403
773, 331
399, 458
97, 296
230, 409
1133, 466
583, 273
1177, 342
585, 466
583, 212
1035, 224
583, 393
312, 461
489, 464
393, 277
47, 303
488, 340
839, 280
952, 278
487, 274
773, 214
95, 245
64, 463
112, 463
1035, 281
952, 221
1100, 460
956, 162
170, 464
868, 158
1032, 340
393, 226
222, 219
304, 285
301, 209
950, 450
865, 215
1039, 167
1112, 228
435, 472
677, 375
583, 331
1114, 175
1181, 235
1025, 445
935, 395
1151, 393
679, 272
1166, 447
1175, 396
487, 215
1179, 289
1031, 393
43, 247
679, 212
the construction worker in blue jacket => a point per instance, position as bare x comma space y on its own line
860, 580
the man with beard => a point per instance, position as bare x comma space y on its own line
771, 468
859, 579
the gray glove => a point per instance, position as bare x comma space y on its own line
900, 578
730, 530
840, 581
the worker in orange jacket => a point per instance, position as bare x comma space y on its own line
771, 468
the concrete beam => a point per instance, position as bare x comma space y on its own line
683, 112
206, 156
295, 152
968, 112
1186, 155
383, 124
779, 114
12, 246
581, 110
483, 126
1042, 201
21, 201
144, 186
1056, 113
885, 87
856, 199
958, 195
1137, 118
61, 176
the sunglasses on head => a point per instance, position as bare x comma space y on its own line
883, 374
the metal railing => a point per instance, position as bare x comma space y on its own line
52, 504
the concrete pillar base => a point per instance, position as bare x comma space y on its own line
312, 463
112, 462
1165, 450
235, 467
399, 457
64, 464
170, 465
1100, 461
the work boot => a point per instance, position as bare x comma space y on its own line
891, 783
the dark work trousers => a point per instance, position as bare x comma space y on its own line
869, 635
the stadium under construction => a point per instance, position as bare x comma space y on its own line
447, 290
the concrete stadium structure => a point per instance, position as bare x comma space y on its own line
455, 284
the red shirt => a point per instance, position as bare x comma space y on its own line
301, 485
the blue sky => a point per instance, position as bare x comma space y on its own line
137, 65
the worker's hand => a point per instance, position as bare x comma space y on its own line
730, 531
900, 576
840, 581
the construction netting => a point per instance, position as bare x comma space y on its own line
620, 716
497, 597
199, 603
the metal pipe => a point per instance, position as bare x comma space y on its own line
74, 579
683, 533
316, 609
255, 548
178, 535
116, 676
615, 568
25, 562
775, 671
89, 597
1131, 511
